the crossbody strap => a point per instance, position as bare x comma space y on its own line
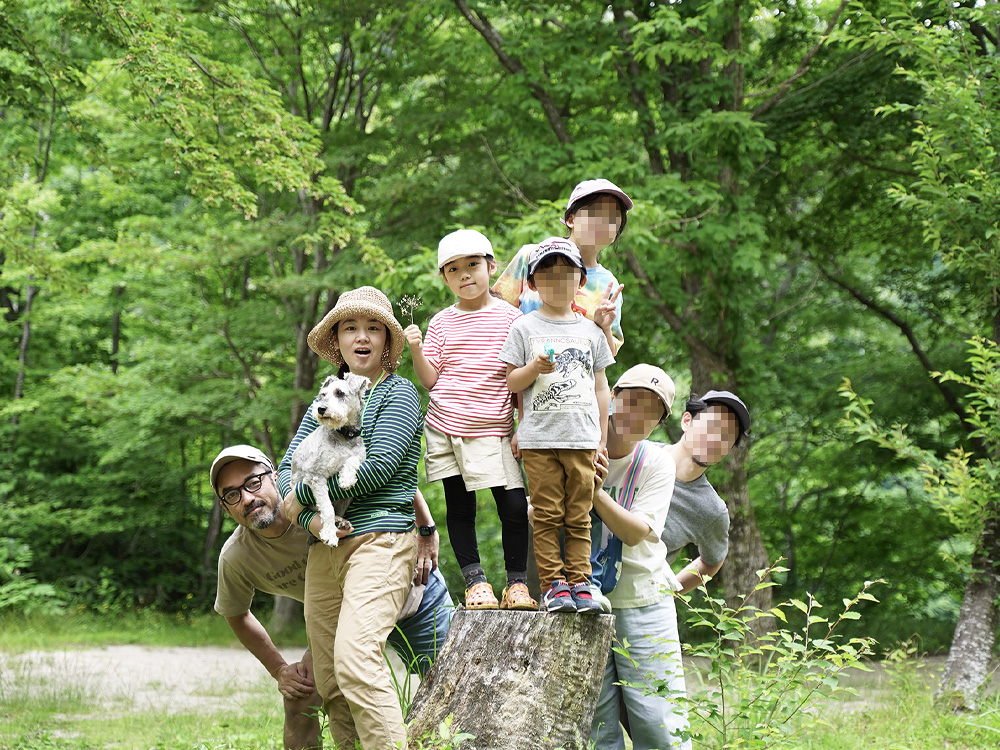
628, 490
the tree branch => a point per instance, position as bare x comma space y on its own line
950, 398
782, 88
674, 320
478, 21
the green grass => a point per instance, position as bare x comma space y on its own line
893, 712
20, 632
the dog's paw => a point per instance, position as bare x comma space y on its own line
328, 535
343, 524
348, 474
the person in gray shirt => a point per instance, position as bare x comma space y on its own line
713, 425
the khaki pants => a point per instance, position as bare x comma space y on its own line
360, 584
561, 481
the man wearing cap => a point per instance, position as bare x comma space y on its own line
268, 553
712, 426
632, 505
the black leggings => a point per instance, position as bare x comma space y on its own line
512, 506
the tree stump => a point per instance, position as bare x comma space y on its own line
516, 680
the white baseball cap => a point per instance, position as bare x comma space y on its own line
651, 378
594, 187
235, 453
461, 243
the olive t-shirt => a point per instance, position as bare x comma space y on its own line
250, 562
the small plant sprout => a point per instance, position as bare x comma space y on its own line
408, 304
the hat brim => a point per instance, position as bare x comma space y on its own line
322, 337
737, 407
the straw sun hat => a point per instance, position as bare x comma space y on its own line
363, 302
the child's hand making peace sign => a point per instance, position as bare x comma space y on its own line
606, 312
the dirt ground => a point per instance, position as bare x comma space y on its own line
140, 678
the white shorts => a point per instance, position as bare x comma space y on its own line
482, 462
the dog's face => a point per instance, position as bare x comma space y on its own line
340, 401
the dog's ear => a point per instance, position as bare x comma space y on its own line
329, 379
357, 383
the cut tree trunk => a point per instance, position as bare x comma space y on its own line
968, 663
516, 680
286, 615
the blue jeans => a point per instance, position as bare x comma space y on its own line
596, 537
418, 638
655, 722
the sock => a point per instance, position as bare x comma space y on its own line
516, 576
473, 574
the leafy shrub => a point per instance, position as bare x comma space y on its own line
757, 691
19, 590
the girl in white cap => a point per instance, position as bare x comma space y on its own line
470, 417
596, 215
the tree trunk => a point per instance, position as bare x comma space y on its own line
286, 615
516, 680
208, 560
22, 355
746, 546
968, 662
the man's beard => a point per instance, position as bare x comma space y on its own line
262, 519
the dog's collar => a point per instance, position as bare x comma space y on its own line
350, 432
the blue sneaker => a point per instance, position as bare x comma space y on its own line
558, 599
584, 599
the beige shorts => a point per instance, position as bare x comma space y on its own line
483, 462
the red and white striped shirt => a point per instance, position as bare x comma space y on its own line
470, 397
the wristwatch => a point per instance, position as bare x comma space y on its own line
426, 530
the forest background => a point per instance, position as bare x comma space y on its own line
187, 186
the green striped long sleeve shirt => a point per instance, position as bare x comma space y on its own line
382, 497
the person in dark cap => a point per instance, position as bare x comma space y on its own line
713, 425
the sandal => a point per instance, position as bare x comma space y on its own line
480, 596
516, 596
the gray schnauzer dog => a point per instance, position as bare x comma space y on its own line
335, 447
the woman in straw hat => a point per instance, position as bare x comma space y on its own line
363, 581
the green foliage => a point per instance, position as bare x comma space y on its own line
19, 590
443, 738
762, 692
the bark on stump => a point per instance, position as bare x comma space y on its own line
516, 680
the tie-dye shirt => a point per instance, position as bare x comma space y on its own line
513, 287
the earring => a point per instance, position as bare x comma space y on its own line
386, 365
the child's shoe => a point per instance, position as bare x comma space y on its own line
558, 598
516, 596
480, 596
584, 599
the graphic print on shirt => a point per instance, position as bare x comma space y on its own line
571, 387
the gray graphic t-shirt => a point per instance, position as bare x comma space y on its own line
560, 409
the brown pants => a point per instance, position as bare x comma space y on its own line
353, 594
561, 481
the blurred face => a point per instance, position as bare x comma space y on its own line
636, 412
254, 508
711, 434
469, 277
596, 225
557, 284
361, 342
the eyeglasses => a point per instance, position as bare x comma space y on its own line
252, 484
